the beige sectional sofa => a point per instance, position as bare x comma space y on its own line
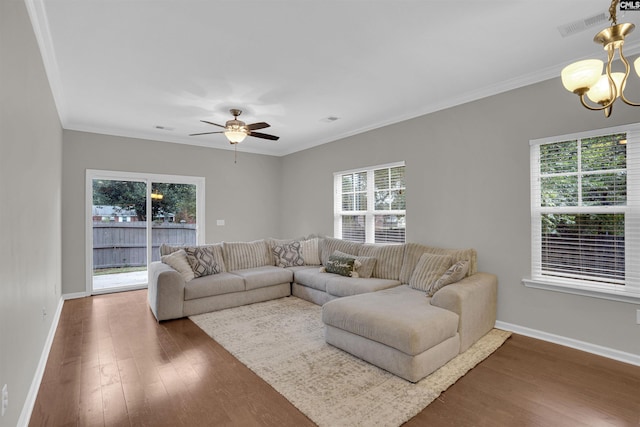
384, 315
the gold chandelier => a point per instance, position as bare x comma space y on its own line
585, 78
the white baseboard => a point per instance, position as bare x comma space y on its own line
75, 295
30, 401
611, 353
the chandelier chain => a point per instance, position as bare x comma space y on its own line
612, 12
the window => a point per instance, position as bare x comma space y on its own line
370, 204
585, 194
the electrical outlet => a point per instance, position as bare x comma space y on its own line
638, 317
5, 399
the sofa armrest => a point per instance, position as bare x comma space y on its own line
474, 299
166, 291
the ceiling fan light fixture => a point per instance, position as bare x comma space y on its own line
235, 135
236, 130
584, 77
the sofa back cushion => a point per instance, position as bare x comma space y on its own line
242, 255
388, 259
413, 252
214, 249
330, 245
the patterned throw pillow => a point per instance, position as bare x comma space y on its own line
178, 261
288, 254
455, 273
202, 260
428, 270
342, 265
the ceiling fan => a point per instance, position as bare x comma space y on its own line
236, 130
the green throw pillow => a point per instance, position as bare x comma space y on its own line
342, 265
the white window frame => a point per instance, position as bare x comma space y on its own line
371, 212
630, 291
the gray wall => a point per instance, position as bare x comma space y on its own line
244, 194
468, 186
30, 169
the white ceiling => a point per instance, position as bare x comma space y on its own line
124, 67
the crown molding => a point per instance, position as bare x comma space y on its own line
38, 16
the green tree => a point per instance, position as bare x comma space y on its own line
126, 195
177, 199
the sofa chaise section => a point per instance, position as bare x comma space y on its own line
396, 329
408, 334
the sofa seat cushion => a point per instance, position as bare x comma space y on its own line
296, 269
214, 284
340, 286
313, 278
262, 277
401, 318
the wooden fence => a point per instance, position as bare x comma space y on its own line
124, 244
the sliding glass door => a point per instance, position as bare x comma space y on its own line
130, 216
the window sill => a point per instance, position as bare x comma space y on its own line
631, 296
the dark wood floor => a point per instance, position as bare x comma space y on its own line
112, 364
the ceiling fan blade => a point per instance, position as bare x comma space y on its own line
204, 133
264, 136
211, 123
256, 126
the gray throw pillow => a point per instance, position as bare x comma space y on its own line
454, 274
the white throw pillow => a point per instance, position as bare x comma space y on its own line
178, 261
310, 251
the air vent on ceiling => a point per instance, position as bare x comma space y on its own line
330, 119
583, 24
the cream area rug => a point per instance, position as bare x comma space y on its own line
283, 342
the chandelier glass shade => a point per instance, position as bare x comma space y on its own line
586, 78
